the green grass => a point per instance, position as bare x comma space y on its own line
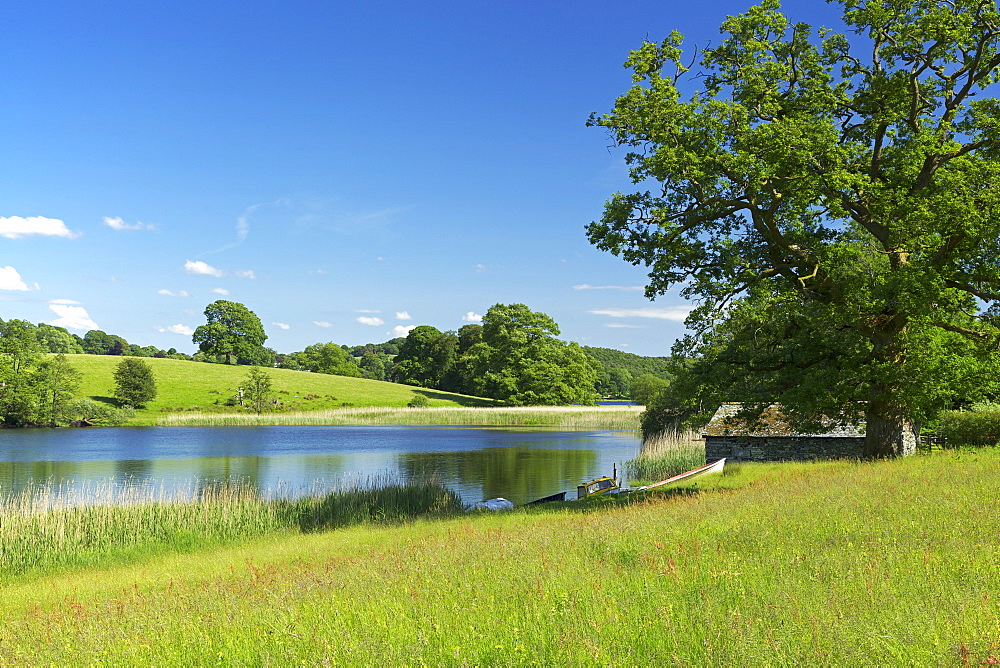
843, 563
185, 386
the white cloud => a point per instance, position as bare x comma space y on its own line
245, 273
281, 325
472, 316
625, 288
674, 313
221, 291
366, 310
322, 323
70, 316
317, 272
16, 226
171, 293
201, 268
403, 330
403, 315
117, 223
177, 329
622, 325
480, 268
372, 322
11, 280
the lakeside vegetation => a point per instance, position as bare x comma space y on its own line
48, 530
615, 418
837, 563
667, 454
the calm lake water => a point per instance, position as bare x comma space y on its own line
478, 463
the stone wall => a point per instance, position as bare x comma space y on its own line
781, 448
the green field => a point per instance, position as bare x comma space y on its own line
185, 386
843, 563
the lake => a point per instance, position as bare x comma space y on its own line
478, 463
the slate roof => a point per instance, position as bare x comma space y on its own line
773, 423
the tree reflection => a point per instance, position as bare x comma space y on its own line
520, 474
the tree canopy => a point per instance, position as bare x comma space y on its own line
233, 332
135, 384
519, 360
830, 201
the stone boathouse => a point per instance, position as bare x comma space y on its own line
773, 439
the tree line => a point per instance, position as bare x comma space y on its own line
38, 388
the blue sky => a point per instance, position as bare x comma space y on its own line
346, 170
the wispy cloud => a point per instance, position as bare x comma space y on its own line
200, 268
177, 329
370, 321
71, 315
624, 288
622, 325
245, 273
322, 323
403, 330
171, 293
14, 227
242, 229
366, 310
221, 291
472, 316
117, 223
403, 315
674, 313
11, 280
281, 325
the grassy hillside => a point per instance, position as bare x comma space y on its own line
197, 386
879, 563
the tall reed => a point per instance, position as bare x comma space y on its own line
613, 418
666, 454
48, 528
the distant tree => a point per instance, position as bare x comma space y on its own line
135, 384
376, 366
520, 361
232, 332
257, 391
614, 382
647, 387
20, 352
425, 356
328, 358
58, 340
56, 382
96, 342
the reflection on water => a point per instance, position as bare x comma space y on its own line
518, 464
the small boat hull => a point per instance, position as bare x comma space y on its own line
714, 467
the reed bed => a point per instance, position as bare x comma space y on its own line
611, 418
51, 528
833, 564
667, 454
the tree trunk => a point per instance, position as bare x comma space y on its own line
887, 432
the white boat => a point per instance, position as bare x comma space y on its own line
714, 467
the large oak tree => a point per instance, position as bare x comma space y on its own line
830, 201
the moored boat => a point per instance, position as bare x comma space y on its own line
714, 467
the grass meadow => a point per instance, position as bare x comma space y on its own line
184, 386
838, 563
